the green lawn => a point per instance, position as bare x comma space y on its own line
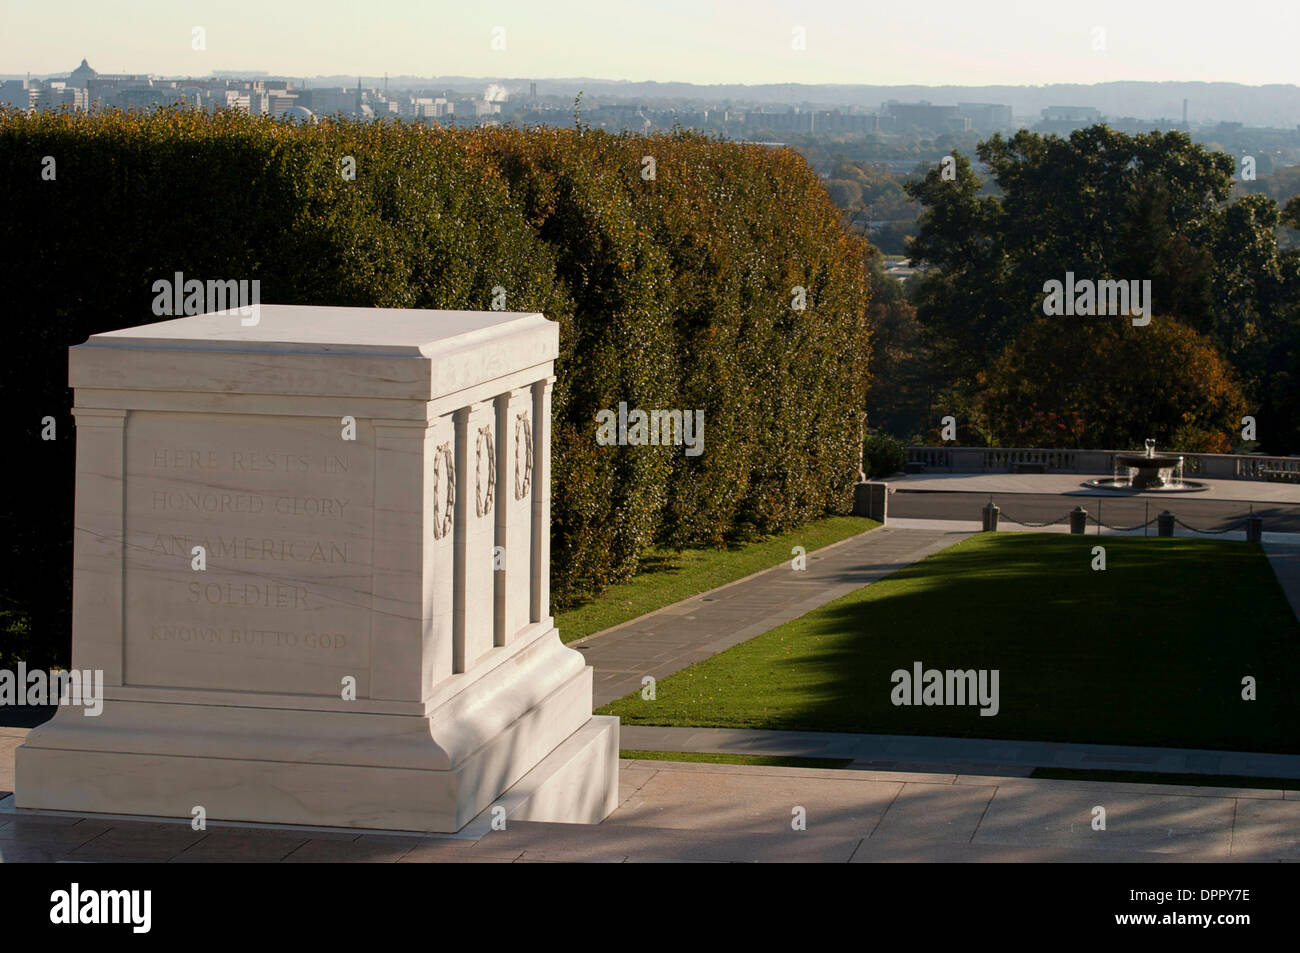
1151, 651
668, 576
765, 760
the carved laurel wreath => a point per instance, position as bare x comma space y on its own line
483, 501
524, 445
444, 463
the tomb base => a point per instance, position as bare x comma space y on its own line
522, 735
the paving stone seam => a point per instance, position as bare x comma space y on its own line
983, 814
881, 819
87, 842
854, 853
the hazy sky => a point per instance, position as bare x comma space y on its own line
929, 42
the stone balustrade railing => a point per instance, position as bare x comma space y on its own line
1221, 466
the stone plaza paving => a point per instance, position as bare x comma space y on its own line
730, 813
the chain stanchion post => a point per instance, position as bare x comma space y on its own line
1078, 520
991, 517
1254, 527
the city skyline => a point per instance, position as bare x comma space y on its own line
736, 111
1003, 42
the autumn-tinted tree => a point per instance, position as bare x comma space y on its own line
1101, 382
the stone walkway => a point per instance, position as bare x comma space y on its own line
726, 813
676, 636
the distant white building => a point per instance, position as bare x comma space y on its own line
427, 107
232, 99
57, 95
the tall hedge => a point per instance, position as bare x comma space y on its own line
672, 292
682, 255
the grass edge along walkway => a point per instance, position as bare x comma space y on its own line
713, 757
1108, 776
692, 571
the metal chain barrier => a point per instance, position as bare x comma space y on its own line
1061, 519
1126, 529
1214, 532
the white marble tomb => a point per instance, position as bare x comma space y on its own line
410, 563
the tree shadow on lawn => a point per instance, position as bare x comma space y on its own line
1150, 651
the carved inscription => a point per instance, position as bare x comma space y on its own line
282, 510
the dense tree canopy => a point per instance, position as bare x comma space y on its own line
1108, 384
1103, 205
